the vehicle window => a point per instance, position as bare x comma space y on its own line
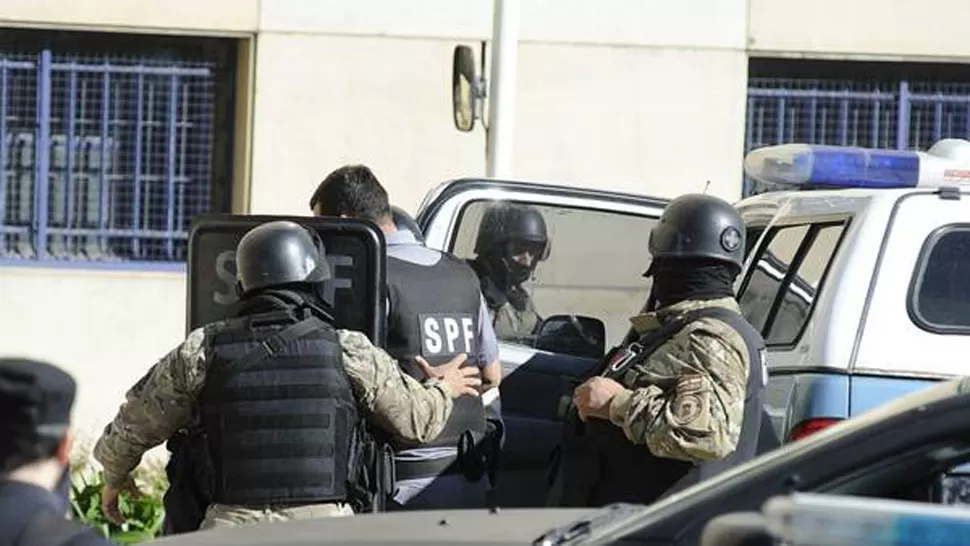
595, 264
767, 273
751, 238
942, 290
800, 291
776, 298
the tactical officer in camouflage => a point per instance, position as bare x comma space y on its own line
681, 399
283, 397
511, 242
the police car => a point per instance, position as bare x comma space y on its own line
861, 287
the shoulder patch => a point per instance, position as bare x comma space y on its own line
691, 402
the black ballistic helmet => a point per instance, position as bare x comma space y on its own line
278, 253
511, 222
699, 226
404, 222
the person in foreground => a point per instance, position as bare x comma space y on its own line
285, 400
35, 446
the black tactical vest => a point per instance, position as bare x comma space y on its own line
280, 429
599, 465
434, 313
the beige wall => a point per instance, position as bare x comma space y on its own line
322, 101
637, 95
197, 16
642, 120
105, 327
895, 29
609, 97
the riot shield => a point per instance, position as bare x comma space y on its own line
355, 249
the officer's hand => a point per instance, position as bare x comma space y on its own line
592, 398
460, 381
109, 500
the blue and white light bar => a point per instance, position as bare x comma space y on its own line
810, 519
824, 167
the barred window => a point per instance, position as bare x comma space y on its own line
104, 158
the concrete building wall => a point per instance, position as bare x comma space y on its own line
895, 29
610, 94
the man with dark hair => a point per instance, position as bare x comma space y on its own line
285, 400
435, 309
35, 448
352, 191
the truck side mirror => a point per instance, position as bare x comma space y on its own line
574, 335
464, 81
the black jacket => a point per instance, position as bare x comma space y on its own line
21, 502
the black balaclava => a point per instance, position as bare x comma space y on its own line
503, 279
282, 297
679, 279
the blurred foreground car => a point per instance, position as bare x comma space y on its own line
901, 450
811, 519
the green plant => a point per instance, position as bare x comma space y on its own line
143, 515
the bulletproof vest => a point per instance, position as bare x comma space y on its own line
280, 425
606, 467
434, 313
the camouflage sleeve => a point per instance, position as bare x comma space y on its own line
154, 409
689, 400
412, 412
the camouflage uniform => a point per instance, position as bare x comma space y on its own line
165, 400
679, 417
686, 388
686, 401
510, 324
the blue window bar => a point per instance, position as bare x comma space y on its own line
105, 161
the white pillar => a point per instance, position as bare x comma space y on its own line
501, 89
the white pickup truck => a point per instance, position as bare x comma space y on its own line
857, 275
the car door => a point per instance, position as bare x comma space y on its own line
598, 255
